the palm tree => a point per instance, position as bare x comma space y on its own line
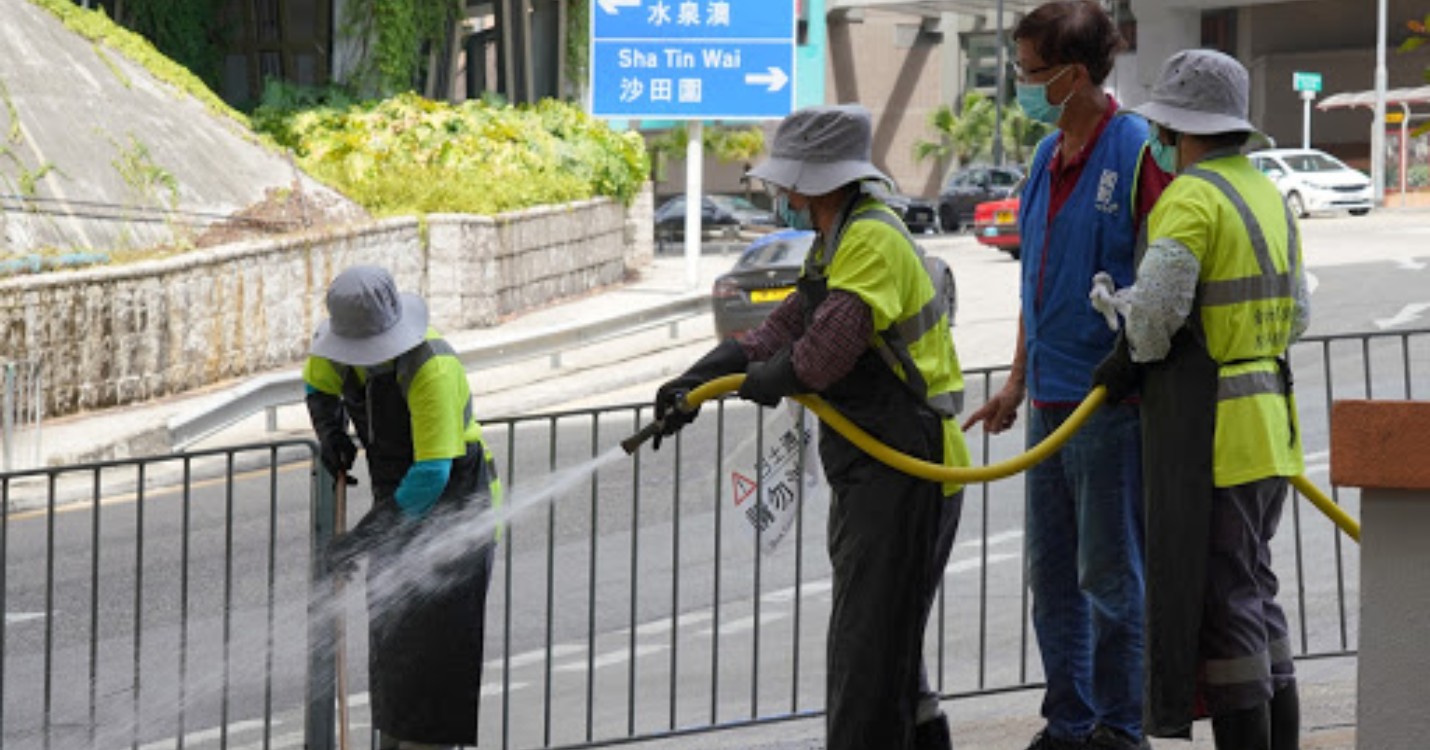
1021, 133
962, 136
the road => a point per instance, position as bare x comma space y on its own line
647, 558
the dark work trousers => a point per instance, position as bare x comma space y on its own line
951, 510
883, 533
1245, 647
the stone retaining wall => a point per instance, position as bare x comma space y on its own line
120, 334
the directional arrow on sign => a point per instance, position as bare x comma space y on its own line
775, 79
1407, 314
614, 6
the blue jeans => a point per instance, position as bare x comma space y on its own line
1084, 552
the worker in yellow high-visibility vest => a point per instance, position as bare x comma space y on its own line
1219, 296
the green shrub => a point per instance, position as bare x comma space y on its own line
408, 154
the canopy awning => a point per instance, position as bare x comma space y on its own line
1393, 97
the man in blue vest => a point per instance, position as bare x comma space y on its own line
1220, 295
1087, 196
375, 363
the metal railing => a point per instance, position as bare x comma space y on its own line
172, 602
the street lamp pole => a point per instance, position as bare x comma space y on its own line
1377, 133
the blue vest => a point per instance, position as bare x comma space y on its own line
1095, 230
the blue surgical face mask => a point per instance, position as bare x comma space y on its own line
793, 219
1033, 98
1164, 155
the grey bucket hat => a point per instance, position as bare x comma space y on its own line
818, 150
1201, 92
370, 322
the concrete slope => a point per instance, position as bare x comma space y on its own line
95, 152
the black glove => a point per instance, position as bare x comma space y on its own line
337, 453
725, 359
335, 449
771, 380
1118, 373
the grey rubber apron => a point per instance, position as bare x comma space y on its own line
883, 531
1178, 402
424, 652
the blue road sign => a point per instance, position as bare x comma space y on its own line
692, 59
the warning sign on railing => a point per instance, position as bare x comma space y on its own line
769, 494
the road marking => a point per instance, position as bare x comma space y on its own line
1408, 314
1311, 283
999, 538
974, 563
742, 624
613, 658
658, 627
14, 617
537, 655
1410, 264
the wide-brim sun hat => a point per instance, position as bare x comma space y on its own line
369, 321
818, 150
1201, 92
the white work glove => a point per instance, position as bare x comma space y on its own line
1107, 300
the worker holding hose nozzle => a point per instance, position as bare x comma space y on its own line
866, 330
1219, 296
376, 363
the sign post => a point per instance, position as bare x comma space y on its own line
1308, 84
692, 60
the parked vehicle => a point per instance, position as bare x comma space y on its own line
720, 215
919, 215
765, 274
1312, 180
969, 187
995, 223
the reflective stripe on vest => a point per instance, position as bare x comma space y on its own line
1270, 284
896, 339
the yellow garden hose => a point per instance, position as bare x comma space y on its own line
962, 474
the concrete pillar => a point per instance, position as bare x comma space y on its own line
1161, 33
1379, 446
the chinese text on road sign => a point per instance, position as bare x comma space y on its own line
692, 59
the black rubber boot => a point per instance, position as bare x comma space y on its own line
1247, 729
933, 735
1286, 719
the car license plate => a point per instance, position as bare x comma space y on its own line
771, 295
1003, 217
990, 232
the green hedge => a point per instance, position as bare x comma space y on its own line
407, 154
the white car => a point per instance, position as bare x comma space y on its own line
1312, 180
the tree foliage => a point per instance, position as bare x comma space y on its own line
966, 135
407, 154
393, 37
1419, 35
726, 143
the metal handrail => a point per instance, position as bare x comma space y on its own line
283, 388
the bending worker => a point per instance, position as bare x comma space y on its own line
375, 362
866, 330
1219, 296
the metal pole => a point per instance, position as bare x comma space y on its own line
8, 417
694, 178
1377, 133
1404, 148
998, 93
1306, 118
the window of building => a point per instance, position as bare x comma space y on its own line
981, 50
1219, 30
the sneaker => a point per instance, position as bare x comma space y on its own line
1107, 738
1045, 741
